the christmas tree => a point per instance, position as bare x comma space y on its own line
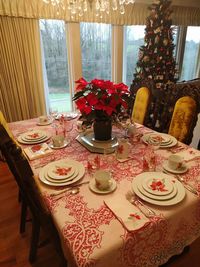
156, 60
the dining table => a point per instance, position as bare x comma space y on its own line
104, 230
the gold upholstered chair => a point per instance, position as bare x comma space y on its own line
140, 106
184, 118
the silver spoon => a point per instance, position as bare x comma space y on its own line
73, 191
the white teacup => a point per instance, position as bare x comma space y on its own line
58, 140
175, 162
43, 119
102, 179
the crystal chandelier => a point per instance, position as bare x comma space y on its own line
99, 7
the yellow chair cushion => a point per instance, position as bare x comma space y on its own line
5, 125
182, 119
141, 105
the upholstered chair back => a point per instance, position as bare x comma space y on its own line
183, 118
5, 124
141, 105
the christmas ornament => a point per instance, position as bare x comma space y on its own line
157, 39
146, 58
165, 41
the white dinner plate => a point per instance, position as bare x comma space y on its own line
172, 143
181, 170
168, 202
92, 186
33, 135
79, 166
62, 180
166, 188
53, 170
22, 141
157, 197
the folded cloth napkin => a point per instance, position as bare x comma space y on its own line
127, 214
37, 151
189, 154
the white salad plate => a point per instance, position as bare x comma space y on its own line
147, 183
157, 197
181, 170
53, 171
77, 165
92, 186
172, 142
178, 197
61, 180
31, 142
33, 135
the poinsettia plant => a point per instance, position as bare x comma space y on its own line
100, 99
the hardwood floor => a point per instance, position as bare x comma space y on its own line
14, 248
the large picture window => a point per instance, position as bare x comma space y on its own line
96, 50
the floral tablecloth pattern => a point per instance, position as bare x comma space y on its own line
90, 233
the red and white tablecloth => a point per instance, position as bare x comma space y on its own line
91, 234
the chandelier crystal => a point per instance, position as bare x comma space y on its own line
99, 7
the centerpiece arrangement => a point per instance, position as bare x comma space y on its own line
101, 103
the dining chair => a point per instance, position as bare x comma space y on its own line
30, 194
184, 119
5, 125
5, 144
140, 106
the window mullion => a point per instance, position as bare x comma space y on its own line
117, 53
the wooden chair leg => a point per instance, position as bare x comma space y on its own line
34, 240
19, 196
23, 216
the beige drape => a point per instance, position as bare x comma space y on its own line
185, 12
21, 78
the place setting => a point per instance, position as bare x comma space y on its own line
162, 140
158, 188
33, 137
102, 182
175, 164
62, 172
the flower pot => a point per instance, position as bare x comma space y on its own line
102, 130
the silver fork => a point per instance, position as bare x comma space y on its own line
133, 199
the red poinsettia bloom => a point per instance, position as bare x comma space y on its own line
101, 99
81, 84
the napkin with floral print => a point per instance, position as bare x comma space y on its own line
128, 214
37, 151
189, 154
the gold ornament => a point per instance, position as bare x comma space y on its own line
165, 41
146, 58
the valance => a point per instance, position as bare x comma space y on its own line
134, 14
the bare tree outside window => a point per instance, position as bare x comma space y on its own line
55, 54
96, 50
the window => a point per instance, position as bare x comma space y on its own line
96, 50
191, 53
133, 39
55, 57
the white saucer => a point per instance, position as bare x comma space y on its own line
66, 142
44, 123
92, 186
183, 169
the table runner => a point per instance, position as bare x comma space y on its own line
93, 236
